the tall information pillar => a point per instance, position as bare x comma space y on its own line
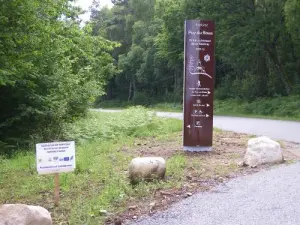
199, 72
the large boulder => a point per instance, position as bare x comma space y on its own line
262, 150
147, 169
20, 214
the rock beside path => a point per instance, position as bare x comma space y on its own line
263, 150
20, 214
147, 168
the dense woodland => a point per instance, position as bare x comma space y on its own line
52, 68
257, 51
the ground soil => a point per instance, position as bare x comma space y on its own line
204, 170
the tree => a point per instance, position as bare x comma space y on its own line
50, 70
257, 46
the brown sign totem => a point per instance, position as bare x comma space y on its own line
199, 72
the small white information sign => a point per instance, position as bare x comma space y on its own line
55, 157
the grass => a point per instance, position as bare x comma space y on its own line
104, 145
280, 108
117, 104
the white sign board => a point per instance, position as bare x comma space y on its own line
55, 157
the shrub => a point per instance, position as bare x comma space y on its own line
134, 121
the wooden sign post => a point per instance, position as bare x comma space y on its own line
55, 158
56, 189
199, 72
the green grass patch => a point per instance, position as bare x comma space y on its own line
162, 106
167, 107
280, 108
176, 167
104, 144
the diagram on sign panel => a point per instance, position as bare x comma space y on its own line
196, 111
196, 68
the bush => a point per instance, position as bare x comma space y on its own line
141, 98
277, 107
134, 121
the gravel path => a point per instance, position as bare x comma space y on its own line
265, 198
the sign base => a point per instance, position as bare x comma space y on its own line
198, 148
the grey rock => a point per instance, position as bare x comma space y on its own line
263, 150
147, 168
21, 214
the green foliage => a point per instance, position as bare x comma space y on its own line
51, 70
141, 98
292, 15
136, 26
113, 104
257, 47
174, 163
133, 122
280, 107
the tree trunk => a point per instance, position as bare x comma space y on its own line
280, 69
262, 70
132, 89
133, 86
130, 95
109, 91
175, 81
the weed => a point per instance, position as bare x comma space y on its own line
252, 136
175, 166
217, 130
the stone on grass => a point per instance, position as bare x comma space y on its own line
262, 150
147, 169
20, 214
